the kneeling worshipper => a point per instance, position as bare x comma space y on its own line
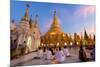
66, 51
60, 57
40, 53
49, 54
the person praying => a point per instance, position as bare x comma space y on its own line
48, 54
40, 53
66, 51
60, 57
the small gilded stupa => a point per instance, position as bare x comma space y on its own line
54, 35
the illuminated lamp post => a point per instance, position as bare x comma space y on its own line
42, 45
71, 43
65, 44
57, 44
77, 43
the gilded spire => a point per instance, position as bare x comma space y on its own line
26, 13
85, 35
55, 20
31, 23
36, 21
81, 36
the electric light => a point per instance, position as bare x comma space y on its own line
71, 43
77, 43
57, 44
65, 43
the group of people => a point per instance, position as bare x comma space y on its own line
59, 54
83, 56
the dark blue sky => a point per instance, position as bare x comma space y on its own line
71, 17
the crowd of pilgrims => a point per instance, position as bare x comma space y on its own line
59, 54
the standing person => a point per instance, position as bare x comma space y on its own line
66, 51
82, 54
60, 57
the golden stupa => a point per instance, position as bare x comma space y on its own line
55, 27
54, 36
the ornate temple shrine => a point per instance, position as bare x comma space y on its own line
25, 32
55, 35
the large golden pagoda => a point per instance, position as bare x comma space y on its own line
55, 27
54, 36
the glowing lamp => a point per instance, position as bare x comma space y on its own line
71, 43
65, 43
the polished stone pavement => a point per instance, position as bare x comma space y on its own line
28, 60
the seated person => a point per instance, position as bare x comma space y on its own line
66, 51
49, 54
59, 56
40, 53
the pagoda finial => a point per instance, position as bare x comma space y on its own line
31, 18
36, 15
70, 33
27, 4
36, 18
54, 11
26, 12
12, 21
85, 35
36, 21
31, 22
84, 29
81, 36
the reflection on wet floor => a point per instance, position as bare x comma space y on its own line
54, 61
